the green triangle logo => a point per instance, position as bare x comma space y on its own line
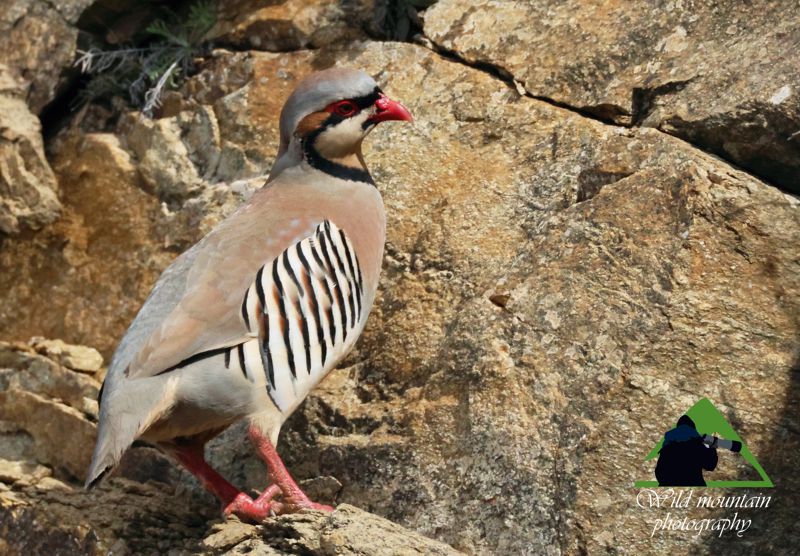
708, 420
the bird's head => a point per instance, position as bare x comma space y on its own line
326, 118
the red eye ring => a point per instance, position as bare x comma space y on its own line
344, 108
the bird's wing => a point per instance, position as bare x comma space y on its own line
202, 295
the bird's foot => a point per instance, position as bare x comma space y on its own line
247, 509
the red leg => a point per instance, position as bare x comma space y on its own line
294, 499
191, 457
233, 500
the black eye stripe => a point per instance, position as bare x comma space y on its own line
332, 120
366, 101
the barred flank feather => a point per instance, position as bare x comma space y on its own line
303, 327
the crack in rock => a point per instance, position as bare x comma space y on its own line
643, 99
607, 114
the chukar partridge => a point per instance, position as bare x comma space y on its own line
246, 322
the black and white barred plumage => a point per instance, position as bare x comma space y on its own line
302, 310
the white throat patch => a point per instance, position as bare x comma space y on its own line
340, 140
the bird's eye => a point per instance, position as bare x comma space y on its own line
344, 108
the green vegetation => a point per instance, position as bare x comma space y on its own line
157, 60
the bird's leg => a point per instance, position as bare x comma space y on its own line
233, 500
294, 499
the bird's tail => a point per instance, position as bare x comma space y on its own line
107, 454
124, 417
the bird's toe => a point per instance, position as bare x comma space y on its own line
320, 507
247, 509
293, 506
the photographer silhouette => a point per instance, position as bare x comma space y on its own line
684, 456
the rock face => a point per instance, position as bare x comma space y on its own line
27, 184
292, 24
37, 43
108, 235
132, 201
628, 285
556, 292
721, 76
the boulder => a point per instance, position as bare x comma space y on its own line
721, 76
21, 368
63, 436
292, 24
28, 187
38, 39
77, 358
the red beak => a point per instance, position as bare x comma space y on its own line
388, 109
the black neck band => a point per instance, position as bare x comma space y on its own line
334, 169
